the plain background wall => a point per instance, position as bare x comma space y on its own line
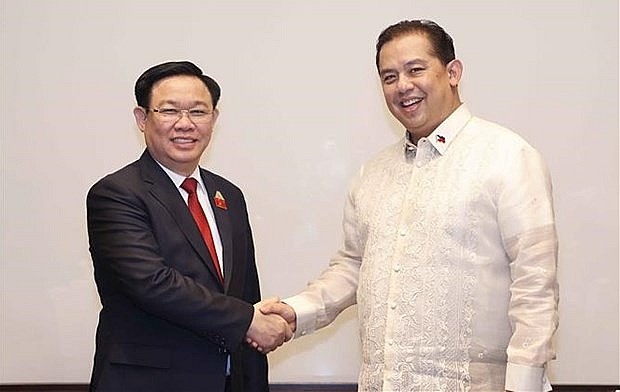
301, 110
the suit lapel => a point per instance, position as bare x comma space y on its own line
164, 190
224, 225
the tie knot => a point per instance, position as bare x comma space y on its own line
189, 185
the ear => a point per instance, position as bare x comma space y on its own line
455, 71
216, 114
140, 115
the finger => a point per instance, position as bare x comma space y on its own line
289, 334
270, 300
268, 307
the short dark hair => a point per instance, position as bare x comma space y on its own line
441, 42
144, 84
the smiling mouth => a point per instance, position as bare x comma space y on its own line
183, 140
410, 102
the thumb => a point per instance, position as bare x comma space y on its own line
269, 307
270, 300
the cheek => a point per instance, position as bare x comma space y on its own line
157, 135
207, 131
389, 95
207, 135
387, 90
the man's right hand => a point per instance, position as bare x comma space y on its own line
268, 331
282, 309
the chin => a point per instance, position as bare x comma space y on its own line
410, 119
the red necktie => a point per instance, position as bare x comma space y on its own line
189, 185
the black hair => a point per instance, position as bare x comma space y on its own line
441, 42
144, 84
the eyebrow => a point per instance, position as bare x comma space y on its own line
176, 103
406, 65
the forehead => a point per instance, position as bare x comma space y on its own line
404, 49
180, 88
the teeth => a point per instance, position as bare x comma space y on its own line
411, 101
182, 140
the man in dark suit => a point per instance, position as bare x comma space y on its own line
177, 301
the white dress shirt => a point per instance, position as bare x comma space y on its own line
203, 199
450, 252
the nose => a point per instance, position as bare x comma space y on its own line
184, 121
404, 84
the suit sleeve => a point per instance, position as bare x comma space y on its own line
129, 262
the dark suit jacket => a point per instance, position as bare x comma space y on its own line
167, 323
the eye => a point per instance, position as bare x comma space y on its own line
169, 111
389, 78
198, 113
415, 70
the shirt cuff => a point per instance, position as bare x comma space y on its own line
522, 378
305, 315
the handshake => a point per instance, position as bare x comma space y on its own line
273, 323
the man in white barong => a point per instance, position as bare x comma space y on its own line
450, 247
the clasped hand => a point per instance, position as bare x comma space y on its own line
273, 323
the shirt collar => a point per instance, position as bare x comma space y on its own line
444, 134
178, 179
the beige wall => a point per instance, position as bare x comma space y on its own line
301, 109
